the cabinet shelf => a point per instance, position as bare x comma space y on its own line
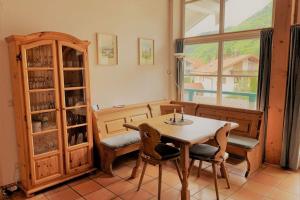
74, 107
73, 68
41, 90
45, 131
74, 88
76, 126
43, 111
40, 68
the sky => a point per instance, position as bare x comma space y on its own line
236, 11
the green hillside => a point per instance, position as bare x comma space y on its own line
208, 52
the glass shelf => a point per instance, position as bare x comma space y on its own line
76, 116
77, 136
74, 78
43, 122
42, 101
40, 57
72, 58
44, 143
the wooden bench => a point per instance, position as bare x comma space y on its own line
111, 138
246, 140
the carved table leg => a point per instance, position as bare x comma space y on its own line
185, 193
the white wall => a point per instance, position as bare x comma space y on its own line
123, 84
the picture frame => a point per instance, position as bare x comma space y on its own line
146, 51
107, 49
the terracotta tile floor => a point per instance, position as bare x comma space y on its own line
268, 183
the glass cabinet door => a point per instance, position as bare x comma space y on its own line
73, 75
43, 115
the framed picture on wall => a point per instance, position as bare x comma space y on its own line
146, 51
107, 49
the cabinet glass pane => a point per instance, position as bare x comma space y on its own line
43, 122
74, 78
72, 57
40, 79
40, 56
45, 142
42, 101
76, 116
77, 135
75, 98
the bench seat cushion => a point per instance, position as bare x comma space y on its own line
241, 141
119, 141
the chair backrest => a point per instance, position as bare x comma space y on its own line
150, 137
221, 140
169, 108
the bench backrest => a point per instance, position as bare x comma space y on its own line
109, 122
249, 120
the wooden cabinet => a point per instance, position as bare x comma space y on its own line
50, 81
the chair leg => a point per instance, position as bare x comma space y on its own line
225, 174
199, 168
178, 170
142, 175
159, 181
215, 179
191, 166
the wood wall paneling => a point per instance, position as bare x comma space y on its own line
282, 22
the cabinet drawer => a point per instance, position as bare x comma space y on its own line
47, 168
79, 157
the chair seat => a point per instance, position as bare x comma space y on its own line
240, 141
166, 151
119, 141
204, 152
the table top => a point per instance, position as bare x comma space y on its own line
201, 130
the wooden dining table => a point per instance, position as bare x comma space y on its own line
198, 130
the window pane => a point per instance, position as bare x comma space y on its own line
240, 65
241, 57
201, 59
239, 92
202, 17
247, 14
200, 89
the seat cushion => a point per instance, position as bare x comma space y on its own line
166, 151
204, 152
119, 141
241, 141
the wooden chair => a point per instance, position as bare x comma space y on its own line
156, 153
212, 154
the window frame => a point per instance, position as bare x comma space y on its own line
219, 38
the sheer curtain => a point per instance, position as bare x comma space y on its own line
290, 156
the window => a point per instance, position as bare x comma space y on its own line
222, 50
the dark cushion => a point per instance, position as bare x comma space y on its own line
119, 141
166, 151
204, 152
241, 141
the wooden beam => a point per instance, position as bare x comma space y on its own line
296, 12
281, 37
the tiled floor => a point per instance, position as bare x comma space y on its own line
268, 183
